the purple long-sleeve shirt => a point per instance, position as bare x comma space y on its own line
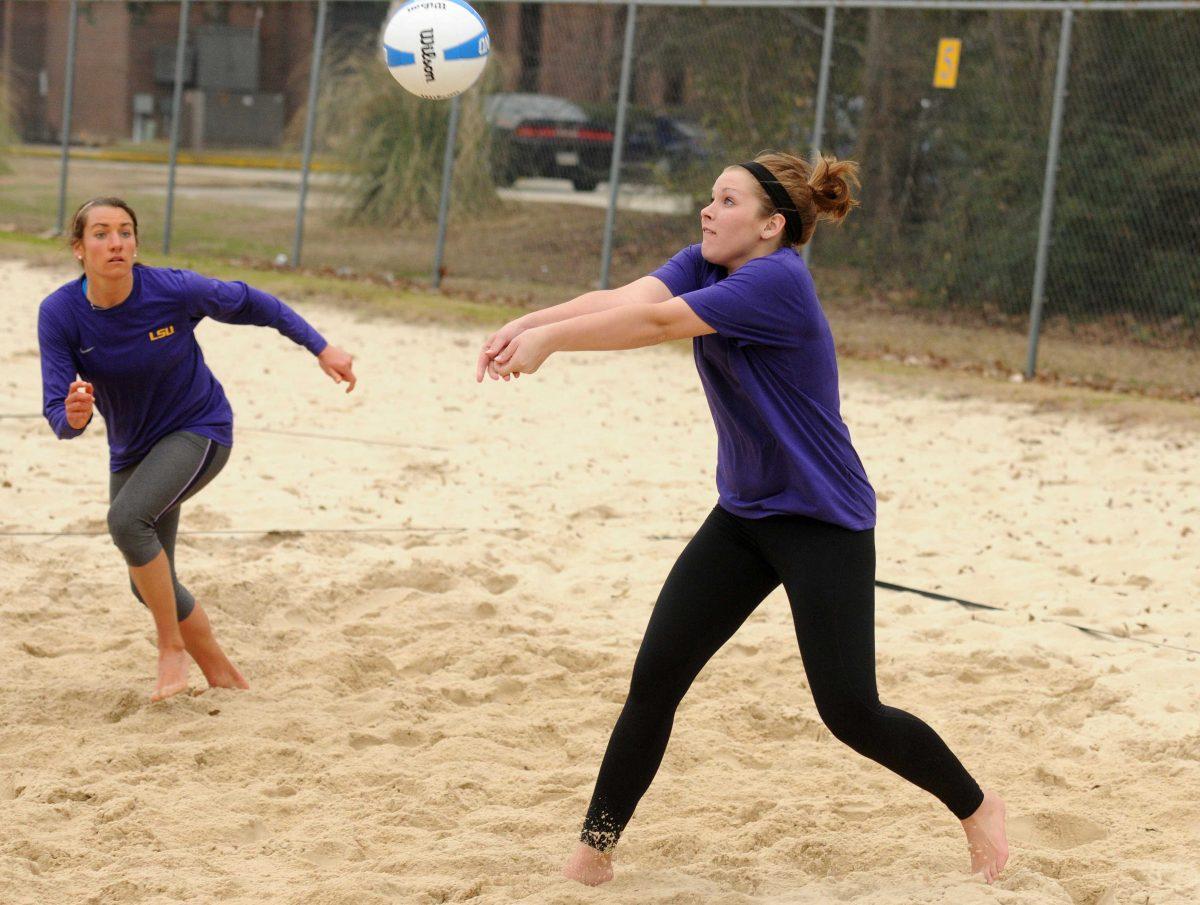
142, 357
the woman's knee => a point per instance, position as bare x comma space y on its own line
849, 720
133, 535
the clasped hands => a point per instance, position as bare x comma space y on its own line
513, 350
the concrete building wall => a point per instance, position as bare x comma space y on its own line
580, 57
23, 42
100, 109
581, 52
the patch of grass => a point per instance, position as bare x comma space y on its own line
372, 298
361, 294
520, 256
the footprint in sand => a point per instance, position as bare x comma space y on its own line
202, 518
403, 738
1058, 831
252, 830
601, 513
128, 702
298, 616
61, 793
9, 789
506, 691
427, 664
495, 582
87, 526
432, 578
360, 740
361, 671
35, 650
327, 854
116, 810
407, 738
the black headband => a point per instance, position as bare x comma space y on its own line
793, 228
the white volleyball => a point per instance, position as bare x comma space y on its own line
436, 48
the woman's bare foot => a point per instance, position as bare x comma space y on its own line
202, 645
986, 838
172, 673
224, 676
588, 866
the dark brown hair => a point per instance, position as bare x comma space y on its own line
79, 221
823, 191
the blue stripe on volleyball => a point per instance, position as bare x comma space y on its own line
469, 8
471, 49
399, 57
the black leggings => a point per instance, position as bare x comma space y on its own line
722, 575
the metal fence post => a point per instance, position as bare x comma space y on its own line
68, 98
818, 132
7, 102
176, 104
614, 172
310, 121
1039, 273
444, 201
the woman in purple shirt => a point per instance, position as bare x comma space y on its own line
794, 505
128, 332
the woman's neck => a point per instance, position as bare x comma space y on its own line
105, 293
761, 250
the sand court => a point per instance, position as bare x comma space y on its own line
436, 590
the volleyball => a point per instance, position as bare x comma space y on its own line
436, 48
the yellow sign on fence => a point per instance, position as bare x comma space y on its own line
945, 68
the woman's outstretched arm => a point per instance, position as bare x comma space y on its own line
627, 327
645, 291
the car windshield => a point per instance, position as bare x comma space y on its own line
506, 110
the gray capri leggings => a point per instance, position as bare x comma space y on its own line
143, 515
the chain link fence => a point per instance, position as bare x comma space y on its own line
1126, 240
952, 178
1053, 191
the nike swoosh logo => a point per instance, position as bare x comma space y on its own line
88, 349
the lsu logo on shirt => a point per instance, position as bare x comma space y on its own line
161, 333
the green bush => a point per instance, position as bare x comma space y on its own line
393, 143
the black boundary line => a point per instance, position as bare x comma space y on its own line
886, 585
286, 532
903, 589
972, 605
287, 433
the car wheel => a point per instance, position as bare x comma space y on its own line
504, 175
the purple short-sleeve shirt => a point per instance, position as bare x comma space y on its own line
770, 375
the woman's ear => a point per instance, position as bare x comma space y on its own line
774, 227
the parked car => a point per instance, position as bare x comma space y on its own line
549, 136
665, 143
544, 135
